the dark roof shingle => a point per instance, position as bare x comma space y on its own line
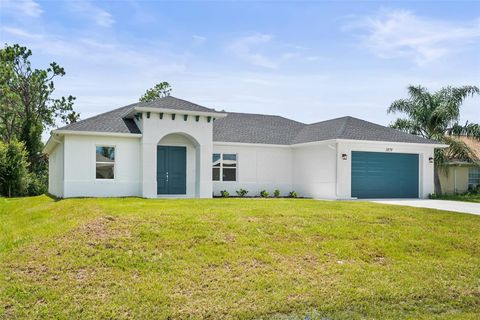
252, 128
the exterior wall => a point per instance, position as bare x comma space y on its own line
55, 171
455, 181
259, 167
344, 167
79, 173
200, 135
314, 170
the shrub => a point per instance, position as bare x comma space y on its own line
224, 194
242, 192
276, 193
14, 174
264, 194
37, 184
292, 194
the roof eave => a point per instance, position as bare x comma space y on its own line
176, 111
97, 133
434, 145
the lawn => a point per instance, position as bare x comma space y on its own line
235, 259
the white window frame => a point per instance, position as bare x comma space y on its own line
221, 166
114, 162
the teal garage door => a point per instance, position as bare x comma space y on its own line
171, 170
384, 175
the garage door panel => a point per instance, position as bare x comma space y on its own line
384, 175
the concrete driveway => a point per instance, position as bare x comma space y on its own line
457, 206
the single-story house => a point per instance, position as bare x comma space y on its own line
461, 175
174, 148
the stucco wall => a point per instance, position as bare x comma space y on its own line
314, 170
259, 167
80, 175
344, 167
55, 171
457, 176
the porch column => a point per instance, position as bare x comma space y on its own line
205, 170
149, 170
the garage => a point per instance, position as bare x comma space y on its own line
384, 175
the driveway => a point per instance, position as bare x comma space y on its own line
457, 206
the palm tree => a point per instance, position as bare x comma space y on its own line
437, 116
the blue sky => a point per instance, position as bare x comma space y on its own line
309, 61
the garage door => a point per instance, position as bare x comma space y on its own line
384, 175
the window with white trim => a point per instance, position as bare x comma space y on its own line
105, 162
224, 167
473, 177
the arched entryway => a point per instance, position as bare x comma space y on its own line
177, 166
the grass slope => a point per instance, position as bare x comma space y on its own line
235, 258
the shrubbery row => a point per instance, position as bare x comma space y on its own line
264, 193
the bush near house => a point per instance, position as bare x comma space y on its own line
292, 194
224, 194
264, 194
242, 193
235, 259
276, 193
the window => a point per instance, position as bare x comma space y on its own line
224, 167
473, 177
105, 162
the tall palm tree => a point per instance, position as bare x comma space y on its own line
437, 116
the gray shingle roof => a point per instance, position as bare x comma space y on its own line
112, 121
252, 128
351, 128
115, 121
255, 128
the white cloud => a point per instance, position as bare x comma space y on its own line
402, 34
246, 48
198, 40
89, 10
24, 7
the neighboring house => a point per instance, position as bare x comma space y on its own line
462, 176
174, 148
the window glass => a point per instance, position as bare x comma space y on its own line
216, 159
216, 174
229, 160
229, 174
473, 177
105, 162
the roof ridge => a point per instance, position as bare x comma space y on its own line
266, 115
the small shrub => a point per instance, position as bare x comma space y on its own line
292, 194
242, 192
264, 194
224, 194
276, 193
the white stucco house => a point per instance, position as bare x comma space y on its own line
174, 148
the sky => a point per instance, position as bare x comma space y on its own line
305, 60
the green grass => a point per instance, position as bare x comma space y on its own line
235, 259
469, 197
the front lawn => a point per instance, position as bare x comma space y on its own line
235, 258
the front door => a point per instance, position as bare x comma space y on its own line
171, 170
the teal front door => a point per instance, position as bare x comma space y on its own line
171, 170
384, 175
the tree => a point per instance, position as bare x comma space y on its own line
13, 168
160, 90
437, 116
26, 103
